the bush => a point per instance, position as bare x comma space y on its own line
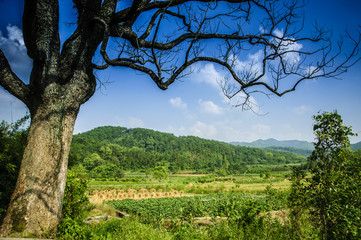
75, 204
128, 228
12, 144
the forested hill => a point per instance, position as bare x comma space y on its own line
106, 148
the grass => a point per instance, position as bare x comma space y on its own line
113, 229
199, 183
129, 229
97, 209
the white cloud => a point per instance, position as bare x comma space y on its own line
302, 109
208, 74
291, 57
314, 71
261, 29
289, 131
261, 128
15, 51
203, 130
310, 69
15, 34
253, 63
199, 129
210, 107
130, 122
178, 131
178, 103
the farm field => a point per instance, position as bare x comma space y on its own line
211, 207
197, 183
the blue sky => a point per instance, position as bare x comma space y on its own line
195, 105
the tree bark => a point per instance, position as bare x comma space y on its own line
36, 203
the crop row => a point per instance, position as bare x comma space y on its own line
213, 205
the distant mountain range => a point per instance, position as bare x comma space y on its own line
356, 146
299, 147
271, 142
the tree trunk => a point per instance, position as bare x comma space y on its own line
36, 203
61, 80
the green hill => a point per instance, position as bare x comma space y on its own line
110, 150
356, 146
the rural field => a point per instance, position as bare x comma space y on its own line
187, 205
195, 184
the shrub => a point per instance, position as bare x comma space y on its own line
12, 144
75, 204
127, 228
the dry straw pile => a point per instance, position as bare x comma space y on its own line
109, 195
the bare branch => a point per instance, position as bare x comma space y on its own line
11, 82
144, 6
276, 52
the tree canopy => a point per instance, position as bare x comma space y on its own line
331, 190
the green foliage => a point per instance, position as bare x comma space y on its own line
75, 204
297, 198
332, 193
12, 144
276, 199
160, 172
212, 205
117, 229
244, 217
128, 228
298, 151
75, 200
135, 149
241, 212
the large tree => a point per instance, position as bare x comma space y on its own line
162, 39
331, 192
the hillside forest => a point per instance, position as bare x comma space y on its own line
106, 152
